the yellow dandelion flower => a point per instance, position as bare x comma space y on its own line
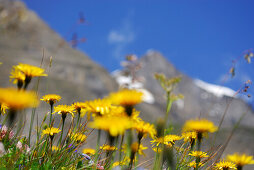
64, 110
51, 131
138, 148
99, 106
78, 137
199, 126
17, 76
80, 108
168, 140
89, 151
158, 141
189, 136
172, 138
51, 98
55, 148
126, 97
30, 71
108, 148
4, 107
144, 128
135, 115
125, 161
120, 111
114, 125
135, 148
240, 159
18, 99
225, 165
116, 111
193, 164
199, 154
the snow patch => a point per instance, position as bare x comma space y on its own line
216, 90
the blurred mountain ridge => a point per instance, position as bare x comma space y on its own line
200, 99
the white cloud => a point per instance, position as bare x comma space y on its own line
116, 37
120, 38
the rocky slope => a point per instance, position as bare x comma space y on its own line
26, 38
199, 99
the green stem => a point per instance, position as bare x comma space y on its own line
169, 105
120, 148
78, 120
239, 167
129, 142
97, 147
60, 140
51, 111
156, 162
199, 141
197, 163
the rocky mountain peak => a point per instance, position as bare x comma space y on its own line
200, 98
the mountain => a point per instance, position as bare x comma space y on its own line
26, 38
200, 99
73, 75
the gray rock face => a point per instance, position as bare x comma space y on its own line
197, 102
26, 38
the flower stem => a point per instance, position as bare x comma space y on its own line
51, 111
60, 140
97, 146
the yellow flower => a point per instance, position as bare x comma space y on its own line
135, 115
64, 110
17, 76
51, 98
193, 164
199, 126
30, 71
172, 138
126, 97
125, 161
168, 140
78, 137
144, 128
99, 106
240, 159
51, 131
18, 99
55, 148
120, 111
4, 107
80, 108
89, 151
115, 125
116, 111
199, 154
189, 136
108, 148
135, 147
225, 165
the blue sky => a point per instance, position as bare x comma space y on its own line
200, 37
